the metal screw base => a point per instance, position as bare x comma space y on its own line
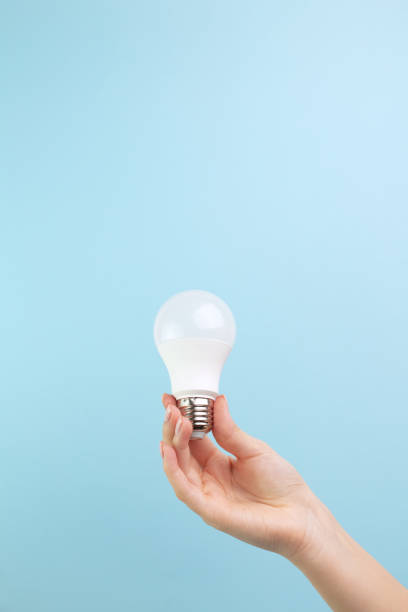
200, 412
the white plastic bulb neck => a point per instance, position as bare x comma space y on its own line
194, 365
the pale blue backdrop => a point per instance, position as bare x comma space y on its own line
254, 149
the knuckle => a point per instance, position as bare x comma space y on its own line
179, 495
210, 521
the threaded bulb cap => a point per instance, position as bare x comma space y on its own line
199, 410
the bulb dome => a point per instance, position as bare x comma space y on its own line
195, 314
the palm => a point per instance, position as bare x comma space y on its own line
264, 478
251, 497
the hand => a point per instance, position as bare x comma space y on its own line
256, 496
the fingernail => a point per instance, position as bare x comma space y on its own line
178, 425
167, 414
161, 449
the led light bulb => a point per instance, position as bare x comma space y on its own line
194, 332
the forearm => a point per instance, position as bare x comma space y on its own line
346, 576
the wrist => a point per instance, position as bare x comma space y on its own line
346, 575
319, 533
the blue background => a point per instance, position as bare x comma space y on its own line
254, 149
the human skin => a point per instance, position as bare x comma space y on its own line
257, 496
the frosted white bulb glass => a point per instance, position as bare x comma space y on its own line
194, 332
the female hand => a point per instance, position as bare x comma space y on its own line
260, 498
256, 496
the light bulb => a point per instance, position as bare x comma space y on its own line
194, 332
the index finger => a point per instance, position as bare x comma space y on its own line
168, 399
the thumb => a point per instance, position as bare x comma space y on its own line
230, 436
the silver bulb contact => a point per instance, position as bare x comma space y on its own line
199, 410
